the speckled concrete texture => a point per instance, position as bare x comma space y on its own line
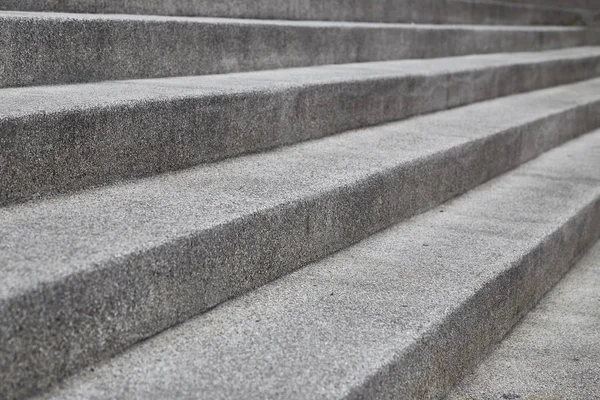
554, 352
61, 138
424, 11
51, 48
401, 315
586, 4
87, 275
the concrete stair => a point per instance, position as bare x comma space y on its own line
291, 199
95, 47
556, 346
563, 12
75, 136
585, 4
385, 318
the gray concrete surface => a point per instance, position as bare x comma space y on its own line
422, 11
63, 138
51, 48
586, 4
554, 352
87, 275
389, 317
589, 10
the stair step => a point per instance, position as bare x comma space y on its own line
87, 275
423, 11
387, 318
63, 138
553, 353
589, 4
95, 47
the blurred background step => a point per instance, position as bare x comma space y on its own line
52, 48
404, 314
86, 276
553, 352
56, 139
586, 4
422, 11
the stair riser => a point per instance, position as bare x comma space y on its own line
423, 11
91, 316
441, 360
93, 48
50, 153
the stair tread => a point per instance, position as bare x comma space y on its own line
337, 327
17, 102
553, 352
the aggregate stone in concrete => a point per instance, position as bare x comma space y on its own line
401, 315
57, 139
52, 48
554, 352
424, 11
87, 275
